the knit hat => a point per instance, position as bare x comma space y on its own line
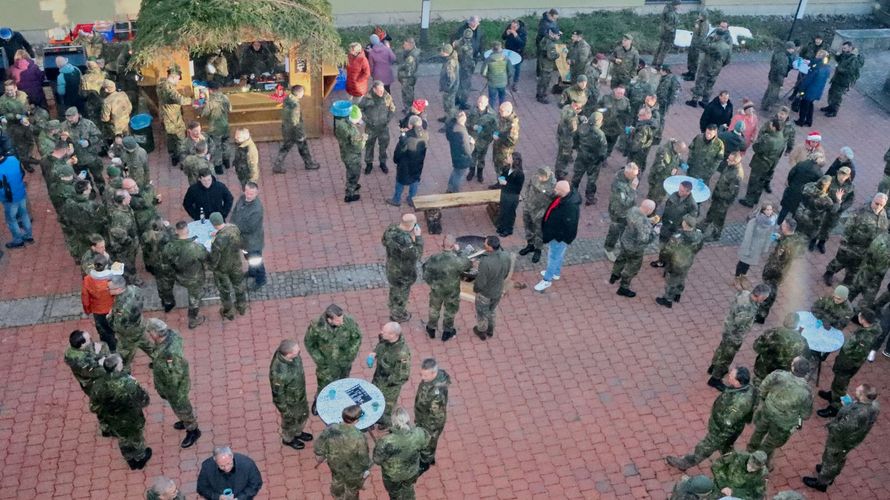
842, 292
72, 111
355, 114
419, 105
845, 170
747, 103
701, 484
130, 143
375, 40
739, 127
216, 219
446, 49
690, 220
847, 151
113, 172
789, 45
814, 136
759, 457
666, 68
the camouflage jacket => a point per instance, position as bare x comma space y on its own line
350, 139
849, 193
143, 205
192, 164
638, 232
449, 75
776, 348
727, 187
377, 111
779, 66
87, 259
464, 49
84, 363
641, 138
548, 54
171, 102
538, 195
118, 400
623, 197
675, 208
153, 243
781, 257
592, 143
682, 248
667, 90
856, 348
170, 368
185, 258
59, 192
126, 313
851, 425
665, 162
291, 113
332, 346
288, 381
669, 21
393, 363
832, 314
408, 62
814, 206
786, 400
346, 450
567, 127
116, 110
481, 124
443, 270
617, 115
246, 161
122, 231
83, 215
630, 61
225, 251
704, 157
398, 453
574, 94
740, 317
189, 145
216, 111
732, 410
768, 149
92, 81
715, 54
847, 70
508, 134
862, 227
731, 471
136, 166
84, 130
875, 262
402, 253
12, 106
579, 57
431, 402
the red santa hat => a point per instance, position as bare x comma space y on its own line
815, 137
419, 105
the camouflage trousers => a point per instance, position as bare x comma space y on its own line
378, 135
327, 374
830, 220
293, 419
182, 408
407, 92
768, 435
346, 488
585, 165
480, 149
716, 217
543, 82
664, 47
448, 103
611, 140
767, 304
704, 83
127, 256
833, 459
533, 230
97, 172
219, 151
353, 171
722, 442
391, 396
293, 137
757, 182
398, 298
428, 454
23, 140
230, 282
839, 385
615, 229
692, 59
400, 490
128, 341
464, 84
165, 282
627, 266
196, 293
845, 259
485, 312
563, 160
174, 143
130, 440
723, 356
675, 283
771, 96
836, 95
449, 299
867, 284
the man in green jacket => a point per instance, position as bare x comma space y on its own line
849, 360
333, 341
345, 449
293, 132
398, 454
404, 248
288, 381
171, 377
443, 273
786, 400
393, 359
494, 267
118, 400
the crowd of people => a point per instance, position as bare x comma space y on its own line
100, 184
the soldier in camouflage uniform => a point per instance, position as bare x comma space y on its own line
849, 360
116, 110
848, 429
378, 109
666, 163
625, 60
699, 34
849, 63
538, 193
393, 360
678, 205
163, 489
171, 377
143, 203
351, 139
779, 66
225, 262
841, 182
867, 280
333, 341
788, 247
834, 311
85, 359
666, 93
638, 232
153, 239
705, 154
409, 58
431, 407
815, 205
345, 448
14, 109
716, 54
576, 93
119, 400
566, 136
768, 150
467, 61
293, 132
404, 247
246, 158
482, 122
745, 474
46, 144
731, 411
123, 235
216, 111
194, 163
194, 134
546, 64
669, 21
640, 138
83, 217
126, 320
859, 231
506, 137
736, 325
579, 57
134, 161
170, 102
693, 488
90, 88
288, 381
592, 151
87, 141
777, 347
723, 196
680, 253
617, 116
443, 274
97, 248
786, 400
449, 79
398, 454
622, 198
183, 260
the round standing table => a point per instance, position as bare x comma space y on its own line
347, 392
202, 231
700, 191
818, 338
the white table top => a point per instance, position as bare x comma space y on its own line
700, 191
818, 338
346, 392
203, 232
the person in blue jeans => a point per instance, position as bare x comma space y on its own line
15, 201
515, 36
460, 143
559, 228
497, 71
409, 156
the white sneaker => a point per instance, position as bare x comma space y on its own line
543, 285
886, 354
544, 273
612, 256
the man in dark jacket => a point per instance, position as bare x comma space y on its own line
206, 196
472, 24
229, 473
461, 145
717, 112
809, 170
515, 37
409, 156
12, 41
547, 23
811, 88
494, 267
247, 214
559, 227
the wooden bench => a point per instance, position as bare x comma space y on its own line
432, 204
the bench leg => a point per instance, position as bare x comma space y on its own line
493, 209
433, 221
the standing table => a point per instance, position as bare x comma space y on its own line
347, 392
818, 338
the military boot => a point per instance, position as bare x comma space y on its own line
479, 333
368, 167
139, 464
191, 437
169, 307
312, 165
195, 319
431, 331
471, 173
479, 173
820, 245
681, 463
448, 334
226, 312
241, 308
536, 255
664, 302
383, 167
527, 249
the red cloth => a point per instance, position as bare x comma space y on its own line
358, 71
553, 204
95, 297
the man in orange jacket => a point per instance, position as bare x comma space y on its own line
97, 299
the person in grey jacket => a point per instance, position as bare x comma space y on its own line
248, 216
461, 145
494, 267
758, 234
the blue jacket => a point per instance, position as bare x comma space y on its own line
11, 180
60, 80
813, 85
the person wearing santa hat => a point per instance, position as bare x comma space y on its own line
812, 143
418, 106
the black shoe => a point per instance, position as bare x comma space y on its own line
692, 103
745, 203
536, 256
814, 483
826, 395
106, 434
710, 369
480, 333
15, 245
295, 444
479, 176
196, 322
423, 468
431, 332
812, 245
169, 307
626, 292
677, 298
350, 199
820, 245
544, 100
613, 278
589, 202
702, 104
139, 464
28, 241
314, 409
759, 320
828, 279
716, 383
831, 114
471, 173
799, 123
657, 263
827, 412
368, 168
504, 234
664, 302
767, 189
179, 426
384, 168
305, 436
448, 335
818, 467
191, 437
824, 108
490, 331
527, 250
678, 462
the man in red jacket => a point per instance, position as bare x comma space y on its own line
97, 299
559, 227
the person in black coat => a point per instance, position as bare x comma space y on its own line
461, 145
559, 228
471, 24
11, 42
806, 171
511, 186
229, 471
718, 112
206, 196
409, 156
515, 37
845, 159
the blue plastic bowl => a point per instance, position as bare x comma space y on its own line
341, 108
140, 121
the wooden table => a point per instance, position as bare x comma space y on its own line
432, 204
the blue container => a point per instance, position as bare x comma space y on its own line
341, 108
107, 35
340, 83
140, 127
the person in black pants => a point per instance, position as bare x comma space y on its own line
806, 171
511, 185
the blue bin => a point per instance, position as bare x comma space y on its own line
340, 82
341, 108
140, 127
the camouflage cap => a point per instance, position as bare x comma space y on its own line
53, 125
174, 69
690, 220
628, 36
216, 219
72, 111
581, 78
759, 457
701, 484
130, 143
113, 172
468, 33
789, 45
65, 170
845, 170
446, 49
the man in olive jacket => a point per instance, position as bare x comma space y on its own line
494, 267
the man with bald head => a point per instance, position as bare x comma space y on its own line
559, 228
163, 488
637, 234
404, 247
393, 360
288, 381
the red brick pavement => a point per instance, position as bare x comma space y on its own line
550, 408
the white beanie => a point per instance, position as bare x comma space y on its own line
847, 151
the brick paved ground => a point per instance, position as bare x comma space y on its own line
579, 395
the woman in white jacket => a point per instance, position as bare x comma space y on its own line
758, 235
